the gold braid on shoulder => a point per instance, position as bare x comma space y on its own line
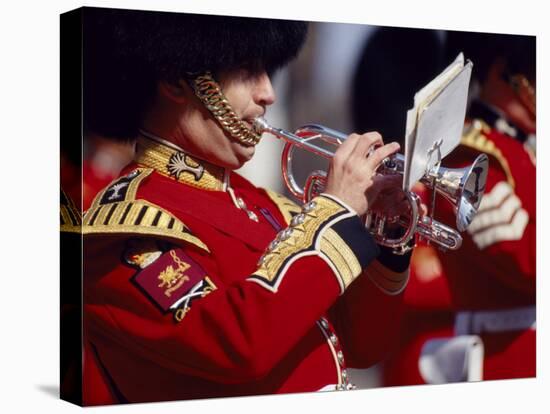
211, 95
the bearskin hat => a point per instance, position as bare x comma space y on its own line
126, 52
518, 52
387, 77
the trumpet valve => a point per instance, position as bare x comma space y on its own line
380, 223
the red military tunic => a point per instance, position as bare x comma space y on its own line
491, 278
198, 284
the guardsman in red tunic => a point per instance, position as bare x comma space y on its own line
197, 283
491, 333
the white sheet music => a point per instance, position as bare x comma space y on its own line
434, 125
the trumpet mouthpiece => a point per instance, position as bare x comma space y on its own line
260, 125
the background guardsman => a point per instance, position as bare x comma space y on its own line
196, 283
492, 278
381, 96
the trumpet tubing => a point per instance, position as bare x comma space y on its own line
463, 188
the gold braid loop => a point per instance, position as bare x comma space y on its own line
211, 95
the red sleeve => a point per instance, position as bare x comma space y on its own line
232, 334
368, 322
370, 311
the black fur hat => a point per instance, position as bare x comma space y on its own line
518, 52
395, 63
127, 51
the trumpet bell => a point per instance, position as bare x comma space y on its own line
474, 188
463, 188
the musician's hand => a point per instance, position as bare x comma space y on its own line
352, 173
391, 200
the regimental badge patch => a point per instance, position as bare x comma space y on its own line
140, 253
172, 280
200, 290
119, 189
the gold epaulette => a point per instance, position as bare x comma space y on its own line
70, 217
286, 206
310, 234
116, 210
475, 136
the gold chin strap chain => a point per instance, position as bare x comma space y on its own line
211, 95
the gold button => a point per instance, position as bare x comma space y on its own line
309, 206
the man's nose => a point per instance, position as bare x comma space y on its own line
264, 94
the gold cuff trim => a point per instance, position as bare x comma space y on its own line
390, 282
137, 217
344, 260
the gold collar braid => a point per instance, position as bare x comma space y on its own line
169, 160
211, 95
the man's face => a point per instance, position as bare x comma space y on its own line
199, 133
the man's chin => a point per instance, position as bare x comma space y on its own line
241, 155
245, 153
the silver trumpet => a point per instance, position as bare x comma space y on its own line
462, 187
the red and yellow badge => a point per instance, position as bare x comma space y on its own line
173, 277
169, 278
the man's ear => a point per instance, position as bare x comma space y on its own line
179, 93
